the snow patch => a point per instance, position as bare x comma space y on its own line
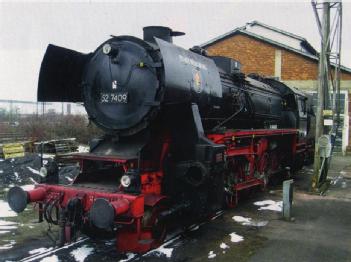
9, 245
242, 220
47, 155
5, 210
129, 257
38, 251
35, 182
27, 187
211, 254
7, 225
53, 258
1, 171
270, 205
163, 250
16, 176
235, 237
335, 180
246, 221
83, 149
81, 253
34, 171
223, 246
264, 203
261, 223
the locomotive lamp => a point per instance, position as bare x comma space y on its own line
43, 171
110, 50
125, 181
131, 181
106, 49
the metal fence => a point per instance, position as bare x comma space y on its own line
17, 108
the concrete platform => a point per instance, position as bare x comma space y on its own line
322, 229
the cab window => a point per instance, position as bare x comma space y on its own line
302, 106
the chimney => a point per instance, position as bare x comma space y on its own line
162, 32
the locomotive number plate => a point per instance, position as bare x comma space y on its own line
114, 98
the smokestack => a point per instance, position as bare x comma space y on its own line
162, 32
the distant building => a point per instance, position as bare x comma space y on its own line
272, 52
24, 108
69, 109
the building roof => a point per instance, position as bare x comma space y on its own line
273, 36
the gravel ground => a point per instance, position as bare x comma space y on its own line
25, 171
23, 229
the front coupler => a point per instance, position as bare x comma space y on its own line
72, 208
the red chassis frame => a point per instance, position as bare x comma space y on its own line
133, 235
248, 154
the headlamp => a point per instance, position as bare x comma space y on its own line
43, 171
106, 49
125, 181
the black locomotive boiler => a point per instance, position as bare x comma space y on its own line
185, 133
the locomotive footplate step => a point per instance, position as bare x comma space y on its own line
248, 184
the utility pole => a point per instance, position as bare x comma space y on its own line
11, 111
322, 94
326, 128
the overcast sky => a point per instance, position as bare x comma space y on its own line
28, 27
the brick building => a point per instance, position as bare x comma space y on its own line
272, 52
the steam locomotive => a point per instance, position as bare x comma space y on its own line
185, 134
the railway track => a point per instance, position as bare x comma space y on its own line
178, 236
52, 251
172, 238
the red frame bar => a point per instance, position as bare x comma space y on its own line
88, 196
88, 156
